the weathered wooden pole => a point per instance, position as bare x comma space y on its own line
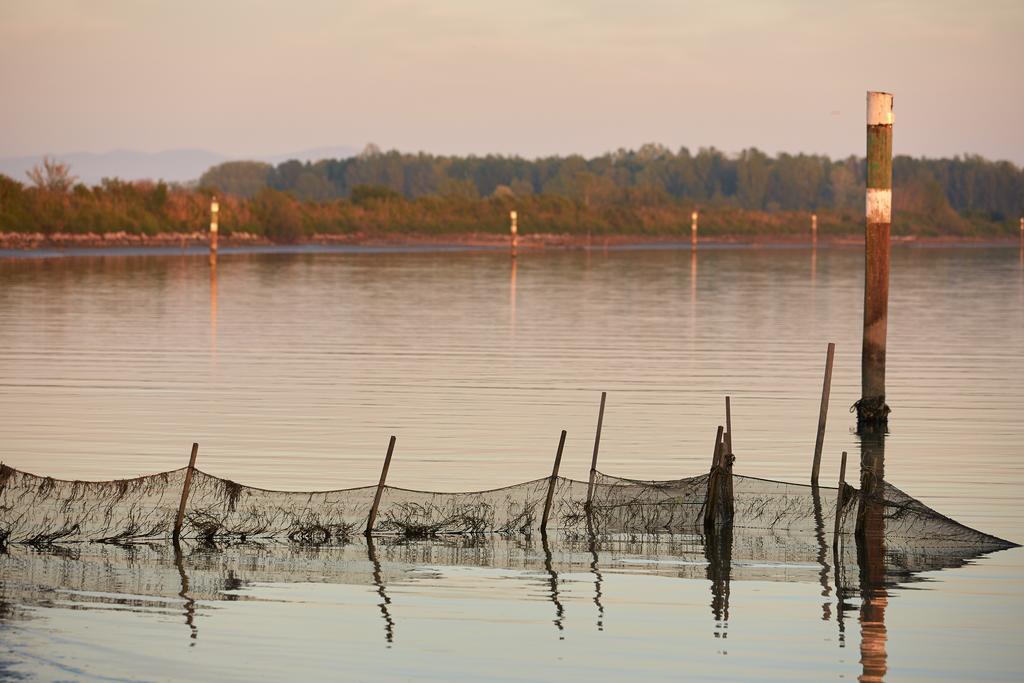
597, 445
839, 501
872, 412
814, 228
514, 232
711, 499
693, 229
728, 427
180, 519
214, 210
380, 487
551, 484
826, 388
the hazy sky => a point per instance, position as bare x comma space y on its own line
531, 77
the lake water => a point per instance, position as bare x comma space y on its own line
292, 370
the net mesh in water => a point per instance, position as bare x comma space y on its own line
35, 509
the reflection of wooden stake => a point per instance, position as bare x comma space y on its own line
380, 487
551, 484
214, 210
180, 519
826, 388
839, 501
597, 444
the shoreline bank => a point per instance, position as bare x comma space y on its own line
28, 244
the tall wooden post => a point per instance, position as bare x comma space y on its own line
380, 487
180, 519
514, 232
693, 229
826, 388
597, 445
214, 210
551, 484
814, 228
872, 412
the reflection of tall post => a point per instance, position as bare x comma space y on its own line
872, 411
378, 581
553, 584
514, 230
512, 293
214, 210
693, 229
213, 300
874, 598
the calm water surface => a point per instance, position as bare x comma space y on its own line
291, 371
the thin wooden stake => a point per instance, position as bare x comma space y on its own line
826, 389
728, 427
597, 445
839, 500
180, 519
380, 487
551, 484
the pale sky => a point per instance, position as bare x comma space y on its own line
531, 77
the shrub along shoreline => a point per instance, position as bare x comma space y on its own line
144, 212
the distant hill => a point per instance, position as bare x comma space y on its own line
174, 165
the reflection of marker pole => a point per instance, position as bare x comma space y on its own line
814, 228
214, 210
693, 229
514, 230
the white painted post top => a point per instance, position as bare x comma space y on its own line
880, 109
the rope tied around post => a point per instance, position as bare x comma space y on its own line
871, 411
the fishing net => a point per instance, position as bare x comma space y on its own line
43, 510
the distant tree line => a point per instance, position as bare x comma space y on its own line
653, 174
650, 191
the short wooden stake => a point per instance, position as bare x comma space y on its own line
871, 409
214, 210
826, 388
551, 484
597, 445
180, 519
380, 487
839, 501
693, 229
